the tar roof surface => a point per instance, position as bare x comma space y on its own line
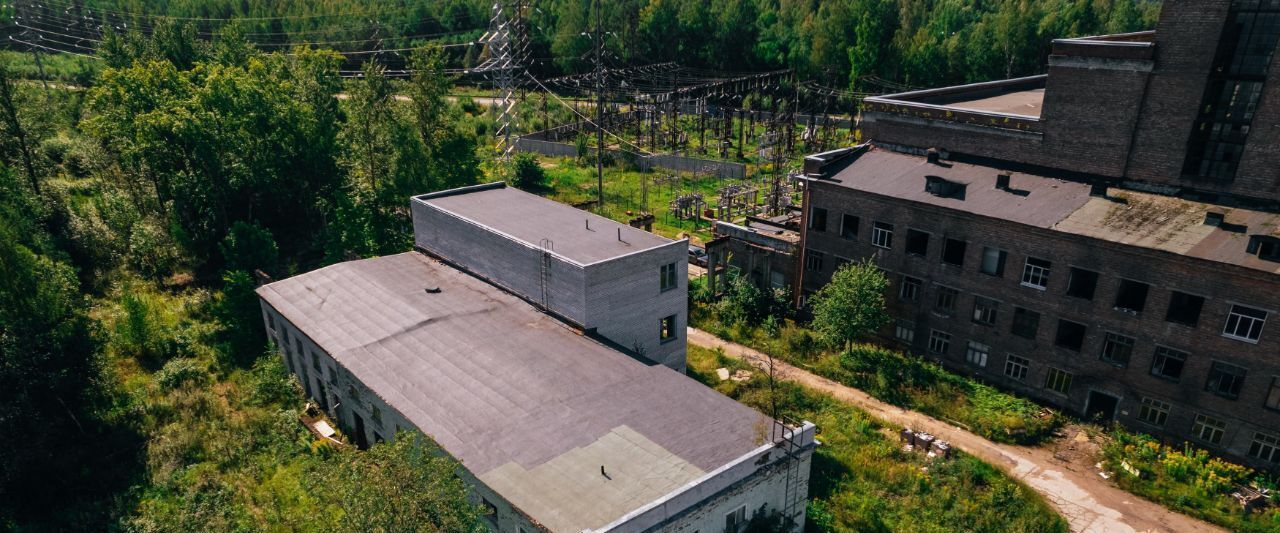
577, 235
1123, 216
529, 406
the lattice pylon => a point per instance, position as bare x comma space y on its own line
507, 43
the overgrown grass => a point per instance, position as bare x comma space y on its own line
863, 481
1188, 480
897, 378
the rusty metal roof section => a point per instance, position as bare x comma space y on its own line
579, 236
1135, 218
530, 406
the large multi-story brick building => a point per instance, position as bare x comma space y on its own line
1104, 238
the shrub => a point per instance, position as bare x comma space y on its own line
181, 372
527, 174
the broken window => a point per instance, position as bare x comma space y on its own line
818, 219
668, 329
1225, 380
945, 302
939, 342
953, 252
1153, 411
992, 262
735, 520
1035, 273
1117, 349
984, 310
917, 242
882, 235
813, 261
1058, 381
1244, 323
1016, 367
669, 278
910, 289
1070, 335
1209, 429
849, 227
976, 354
1168, 363
1082, 283
1184, 308
1132, 296
1025, 323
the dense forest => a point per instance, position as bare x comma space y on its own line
868, 45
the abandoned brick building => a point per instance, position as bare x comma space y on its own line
542, 347
1104, 238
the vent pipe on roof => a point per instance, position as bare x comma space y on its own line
1002, 181
1214, 217
933, 155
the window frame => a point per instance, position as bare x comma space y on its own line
950, 293
912, 234
814, 261
1159, 358
1214, 380
977, 354
916, 286
1173, 300
907, 326
1233, 315
1031, 273
882, 235
1001, 257
1261, 441
669, 278
1272, 398
1152, 406
988, 314
814, 218
1072, 287
1020, 365
1125, 288
1214, 425
1126, 342
1057, 377
943, 338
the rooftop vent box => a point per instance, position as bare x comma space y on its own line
1002, 182
1214, 217
944, 188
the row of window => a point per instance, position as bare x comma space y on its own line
1151, 411
1243, 323
1209, 429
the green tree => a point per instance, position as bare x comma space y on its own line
20, 128
526, 173
852, 305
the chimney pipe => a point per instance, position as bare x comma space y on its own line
1098, 189
932, 155
1214, 217
1002, 181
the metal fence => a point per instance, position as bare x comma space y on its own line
723, 169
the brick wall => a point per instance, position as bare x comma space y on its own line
626, 303
1220, 284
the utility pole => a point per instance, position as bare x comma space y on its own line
599, 42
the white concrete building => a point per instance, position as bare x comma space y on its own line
556, 427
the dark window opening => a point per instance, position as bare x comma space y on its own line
1225, 380
1082, 283
818, 219
668, 331
953, 252
1025, 323
669, 279
1070, 335
849, 227
917, 243
1132, 296
1168, 363
985, 310
1184, 308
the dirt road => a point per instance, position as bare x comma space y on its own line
1065, 479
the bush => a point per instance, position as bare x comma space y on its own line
527, 174
181, 372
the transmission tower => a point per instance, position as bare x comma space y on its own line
508, 42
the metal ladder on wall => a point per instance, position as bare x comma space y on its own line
788, 441
544, 278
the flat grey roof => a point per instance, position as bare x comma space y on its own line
1026, 102
1123, 216
530, 406
577, 235
1018, 97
